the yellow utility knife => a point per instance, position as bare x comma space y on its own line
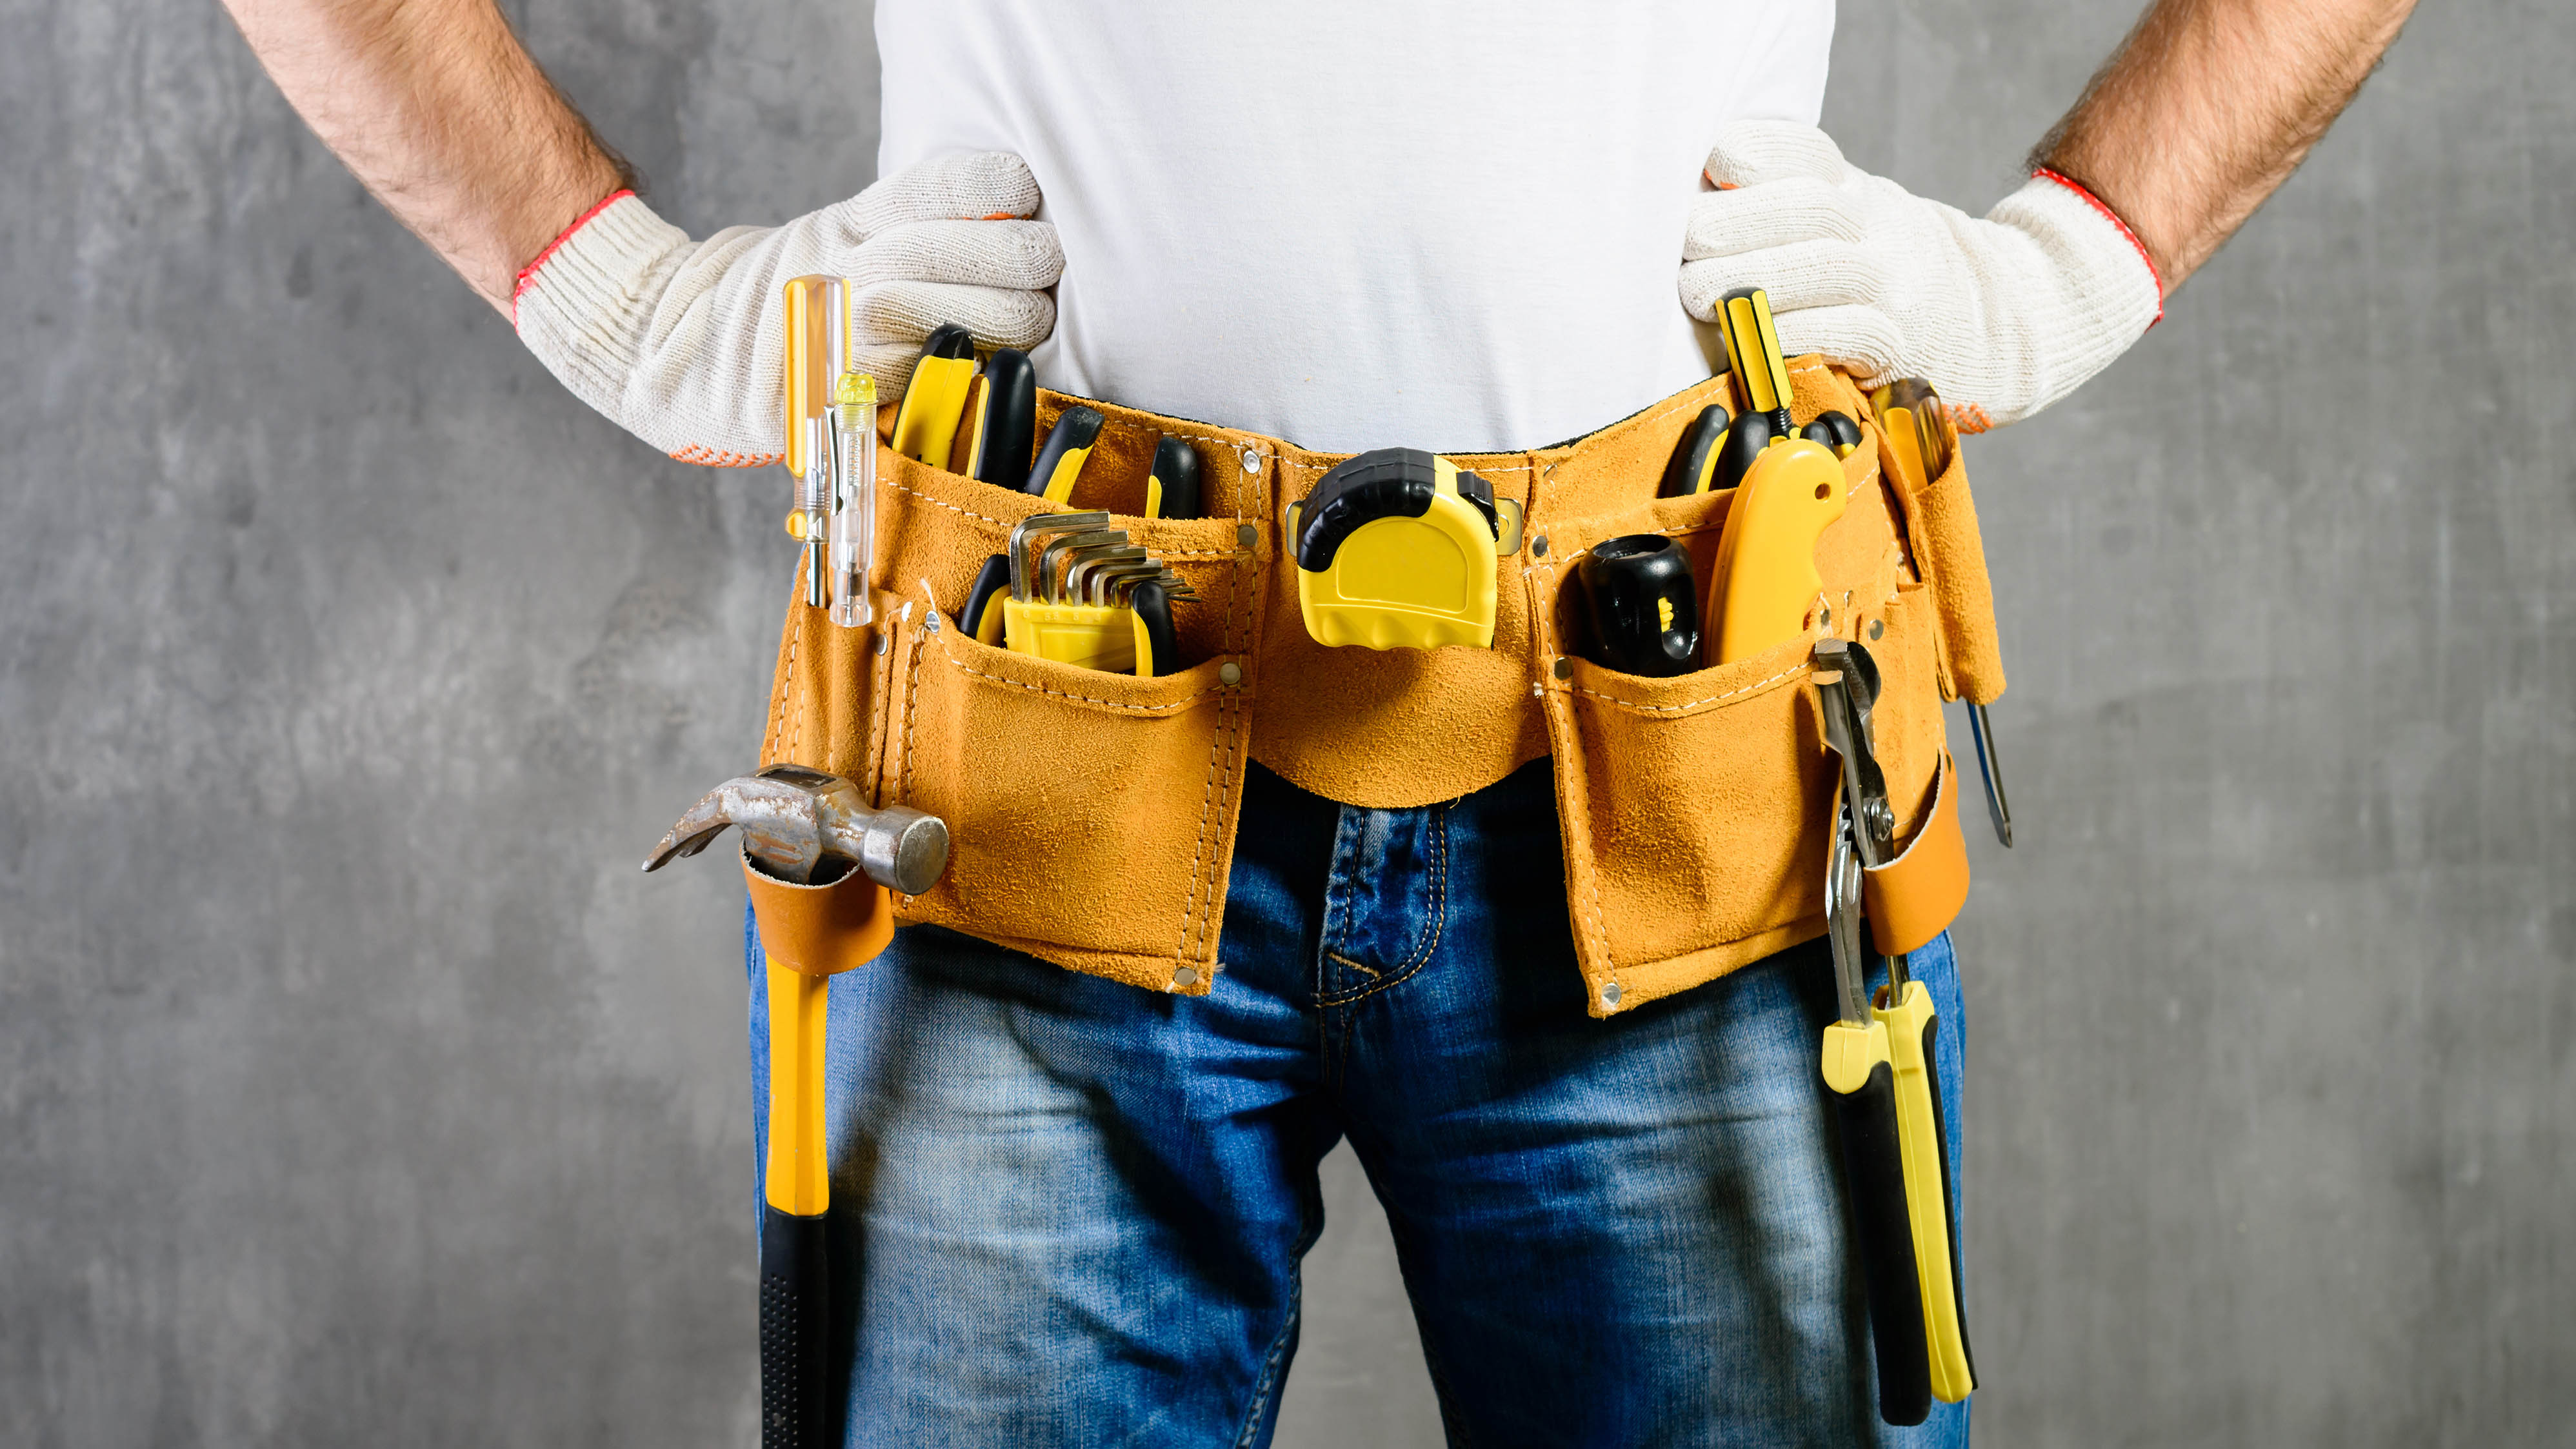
1765, 583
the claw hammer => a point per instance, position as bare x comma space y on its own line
806, 828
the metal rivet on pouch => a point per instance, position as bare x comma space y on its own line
881, 643
1185, 978
1246, 536
1229, 673
1251, 461
1825, 616
1564, 667
1876, 628
1610, 995
1538, 546
930, 622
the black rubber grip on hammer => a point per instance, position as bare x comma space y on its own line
1883, 1231
794, 1282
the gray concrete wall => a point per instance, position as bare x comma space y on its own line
353, 1088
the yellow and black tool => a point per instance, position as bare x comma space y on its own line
1068, 447
821, 865
1753, 355
1859, 1068
1899, 1035
981, 621
1694, 461
1010, 436
1836, 430
1396, 550
1765, 586
1640, 606
1172, 489
934, 404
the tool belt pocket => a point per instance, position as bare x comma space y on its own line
1694, 807
1950, 553
1091, 814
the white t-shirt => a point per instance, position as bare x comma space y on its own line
1359, 223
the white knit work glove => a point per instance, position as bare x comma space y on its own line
680, 343
2004, 315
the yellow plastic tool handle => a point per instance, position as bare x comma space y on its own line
1910, 1027
925, 429
1089, 636
1898, 426
1863, 1080
1753, 354
1766, 580
798, 1178
812, 367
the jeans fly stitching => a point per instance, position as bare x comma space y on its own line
1397, 975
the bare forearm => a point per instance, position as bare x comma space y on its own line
443, 115
2208, 107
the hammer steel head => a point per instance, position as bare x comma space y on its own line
793, 818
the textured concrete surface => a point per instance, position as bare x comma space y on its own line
354, 1088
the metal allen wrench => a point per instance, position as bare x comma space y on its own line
1072, 589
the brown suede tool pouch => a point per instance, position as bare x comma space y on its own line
1092, 815
1694, 808
1941, 531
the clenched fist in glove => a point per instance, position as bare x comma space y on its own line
680, 341
2004, 314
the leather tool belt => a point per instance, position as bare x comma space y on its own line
1093, 814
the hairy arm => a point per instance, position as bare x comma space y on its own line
2208, 107
442, 114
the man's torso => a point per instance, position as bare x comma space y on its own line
1357, 223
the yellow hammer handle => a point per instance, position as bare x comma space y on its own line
798, 1179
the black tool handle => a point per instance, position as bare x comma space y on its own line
1075, 428
1153, 605
794, 1283
1176, 468
1741, 448
1874, 1164
1690, 457
992, 581
1010, 419
1640, 606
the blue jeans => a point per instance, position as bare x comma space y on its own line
1066, 1211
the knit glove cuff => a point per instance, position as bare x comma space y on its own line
2005, 314
681, 342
